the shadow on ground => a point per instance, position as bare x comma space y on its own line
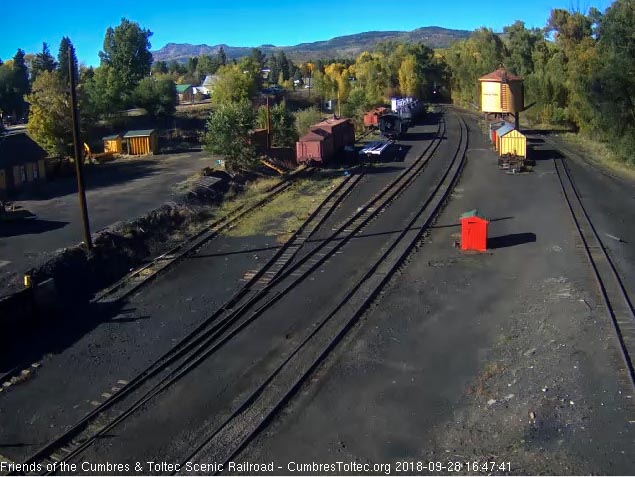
96, 176
55, 330
29, 227
510, 240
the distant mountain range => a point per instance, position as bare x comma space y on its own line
339, 47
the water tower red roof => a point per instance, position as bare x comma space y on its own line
501, 75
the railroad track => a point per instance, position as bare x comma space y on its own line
614, 295
139, 277
262, 291
258, 408
81, 435
144, 274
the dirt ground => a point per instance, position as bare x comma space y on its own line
504, 359
117, 191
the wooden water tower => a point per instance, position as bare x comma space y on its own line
502, 94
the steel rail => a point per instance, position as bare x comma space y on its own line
276, 390
216, 332
614, 295
69, 441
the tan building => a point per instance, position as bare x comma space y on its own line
22, 161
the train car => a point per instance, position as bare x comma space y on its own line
408, 109
392, 126
324, 140
371, 118
315, 147
342, 130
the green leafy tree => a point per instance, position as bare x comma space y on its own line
50, 114
306, 118
127, 52
235, 84
159, 67
157, 96
208, 64
283, 128
66, 54
612, 90
228, 132
482, 53
104, 93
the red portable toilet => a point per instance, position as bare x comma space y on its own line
473, 231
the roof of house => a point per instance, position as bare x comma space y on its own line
210, 80
507, 128
139, 133
112, 137
501, 75
182, 88
16, 149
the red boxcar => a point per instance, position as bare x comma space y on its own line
324, 140
315, 146
371, 118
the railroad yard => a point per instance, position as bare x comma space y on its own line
364, 340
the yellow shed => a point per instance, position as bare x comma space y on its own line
502, 92
142, 142
512, 142
112, 144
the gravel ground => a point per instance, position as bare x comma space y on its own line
88, 355
610, 202
505, 356
117, 191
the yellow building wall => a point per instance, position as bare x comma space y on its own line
139, 145
29, 172
113, 145
513, 142
490, 97
41, 165
499, 97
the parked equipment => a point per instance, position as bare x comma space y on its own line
391, 126
371, 118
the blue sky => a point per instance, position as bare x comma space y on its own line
249, 23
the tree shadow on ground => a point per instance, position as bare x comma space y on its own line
95, 177
54, 330
539, 154
510, 240
29, 227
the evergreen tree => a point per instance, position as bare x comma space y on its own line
43, 61
222, 57
20, 82
66, 54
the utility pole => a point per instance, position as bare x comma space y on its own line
78, 153
268, 125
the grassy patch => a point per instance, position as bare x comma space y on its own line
480, 387
600, 153
287, 212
